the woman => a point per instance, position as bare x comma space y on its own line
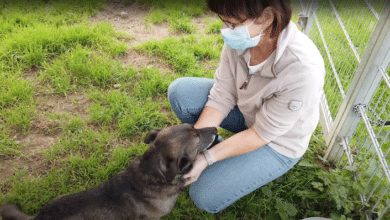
266, 90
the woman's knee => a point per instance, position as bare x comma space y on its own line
190, 88
188, 96
203, 201
174, 89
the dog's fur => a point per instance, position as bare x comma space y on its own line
147, 189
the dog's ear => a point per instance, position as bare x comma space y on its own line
171, 173
151, 136
184, 164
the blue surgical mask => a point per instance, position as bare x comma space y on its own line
239, 38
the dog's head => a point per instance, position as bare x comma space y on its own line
172, 150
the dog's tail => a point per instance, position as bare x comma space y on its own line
12, 212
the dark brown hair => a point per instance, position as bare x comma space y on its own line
254, 9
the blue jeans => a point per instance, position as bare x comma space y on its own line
227, 180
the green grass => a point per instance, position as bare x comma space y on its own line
16, 101
14, 89
8, 147
214, 26
186, 53
177, 13
70, 55
34, 45
16, 15
82, 67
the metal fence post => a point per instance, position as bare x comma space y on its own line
306, 17
362, 88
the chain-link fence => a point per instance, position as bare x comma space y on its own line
353, 37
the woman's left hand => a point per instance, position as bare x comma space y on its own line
199, 165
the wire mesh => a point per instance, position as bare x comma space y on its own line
342, 32
369, 150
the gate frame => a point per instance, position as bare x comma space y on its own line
368, 76
363, 86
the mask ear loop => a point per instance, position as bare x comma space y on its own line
261, 32
252, 22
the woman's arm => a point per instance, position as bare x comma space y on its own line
210, 117
241, 143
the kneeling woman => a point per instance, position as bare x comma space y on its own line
266, 90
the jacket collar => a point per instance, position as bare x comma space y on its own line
268, 69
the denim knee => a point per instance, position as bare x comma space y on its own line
173, 90
202, 203
177, 99
188, 96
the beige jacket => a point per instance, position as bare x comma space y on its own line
282, 98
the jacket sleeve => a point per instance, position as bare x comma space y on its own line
223, 94
299, 92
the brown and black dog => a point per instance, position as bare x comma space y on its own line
147, 189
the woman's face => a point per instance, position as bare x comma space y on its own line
254, 29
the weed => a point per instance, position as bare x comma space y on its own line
110, 107
183, 25
177, 13
143, 117
185, 53
17, 15
37, 44
157, 16
20, 116
151, 83
214, 27
14, 90
81, 141
81, 66
8, 147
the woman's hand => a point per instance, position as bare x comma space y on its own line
199, 165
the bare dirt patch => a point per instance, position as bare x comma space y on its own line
55, 110
201, 24
31, 74
140, 60
74, 104
42, 134
132, 23
30, 158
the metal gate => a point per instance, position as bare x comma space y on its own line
353, 37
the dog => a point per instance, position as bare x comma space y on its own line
147, 189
